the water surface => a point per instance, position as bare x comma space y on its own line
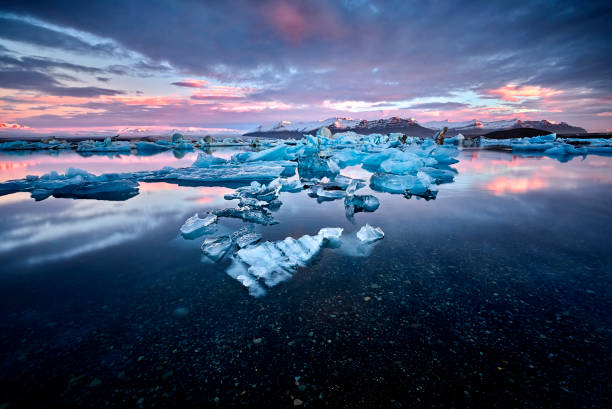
496, 293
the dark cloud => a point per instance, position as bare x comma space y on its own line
438, 106
426, 48
23, 31
37, 63
37, 81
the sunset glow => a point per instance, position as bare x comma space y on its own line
227, 67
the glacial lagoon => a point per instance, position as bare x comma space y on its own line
493, 290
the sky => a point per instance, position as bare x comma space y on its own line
216, 67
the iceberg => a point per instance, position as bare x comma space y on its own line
104, 146
215, 248
160, 145
419, 184
349, 157
204, 161
271, 154
260, 216
313, 165
275, 262
362, 203
245, 239
221, 174
369, 234
49, 144
257, 191
195, 226
76, 184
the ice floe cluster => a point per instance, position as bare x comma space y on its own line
562, 149
145, 147
313, 165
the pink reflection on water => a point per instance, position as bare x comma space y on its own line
503, 173
16, 167
503, 185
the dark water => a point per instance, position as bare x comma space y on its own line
496, 294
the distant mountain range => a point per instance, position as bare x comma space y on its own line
286, 129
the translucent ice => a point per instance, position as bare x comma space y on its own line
106, 146
260, 216
368, 234
413, 184
204, 161
274, 262
367, 203
216, 248
195, 226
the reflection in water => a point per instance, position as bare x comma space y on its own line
86, 225
505, 276
502, 173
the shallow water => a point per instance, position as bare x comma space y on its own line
496, 293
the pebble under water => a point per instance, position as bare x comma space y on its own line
497, 293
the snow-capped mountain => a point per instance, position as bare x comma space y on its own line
305, 127
481, 127
286, 129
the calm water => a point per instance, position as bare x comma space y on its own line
496, 294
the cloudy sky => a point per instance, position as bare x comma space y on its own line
220, 66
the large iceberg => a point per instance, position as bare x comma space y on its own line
75, 183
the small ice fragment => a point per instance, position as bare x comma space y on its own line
369, 234
205, 161
195, 226
247, 239
366, 203
331, 233
216, 247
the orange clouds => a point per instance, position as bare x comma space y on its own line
8, 125
512, 93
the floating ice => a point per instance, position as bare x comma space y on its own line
104, 146
349, 157
313, 165
160, 145
260, 216
215, 248
195, 226
204, 161
368, 234
220, 174
257, 191
271, 154
417, 184
50, 144
362, 203
75, 183
247, 238
274, 262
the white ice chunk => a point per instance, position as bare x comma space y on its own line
368, 234
216, 247
195, 226
274, 262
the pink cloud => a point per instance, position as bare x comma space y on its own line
191, 83
512, 93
